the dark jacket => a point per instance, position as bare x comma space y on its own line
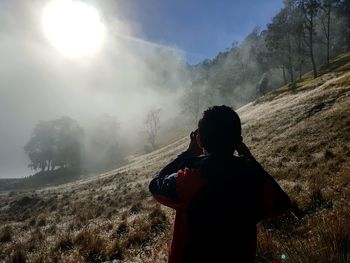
218, 201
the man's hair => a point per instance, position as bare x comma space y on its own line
220, 129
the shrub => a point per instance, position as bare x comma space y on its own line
53, 207
17, 255
335, 238
92, 246
51, 229
6, 234
35, 239
317, 199
2, 254
298, 188
137, 238
328, 155
122, 230
124, 215
135, 208
327, 243
266, 249
41, 221
293, 148
64, 243
32, 221
158, 219
115, 251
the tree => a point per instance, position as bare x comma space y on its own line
152, 122
55, 143
285, 39
299, 48
327, 8
40, 148
279, 39
310, 9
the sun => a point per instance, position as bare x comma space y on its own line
73, 27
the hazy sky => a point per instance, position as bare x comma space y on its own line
202, 28
141, 64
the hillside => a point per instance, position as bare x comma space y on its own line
300, 134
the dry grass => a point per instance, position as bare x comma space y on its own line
318, 240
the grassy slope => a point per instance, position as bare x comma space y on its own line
300, 135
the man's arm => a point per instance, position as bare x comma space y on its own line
274, 201
164, 183
171, 186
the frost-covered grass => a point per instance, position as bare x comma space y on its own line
338, 67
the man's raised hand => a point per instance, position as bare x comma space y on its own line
194, 149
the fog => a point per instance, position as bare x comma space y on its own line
126, 78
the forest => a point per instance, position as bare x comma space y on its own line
304, 35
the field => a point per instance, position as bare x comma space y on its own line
301, 135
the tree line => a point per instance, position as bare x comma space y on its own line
308, 30
63, 144
301, 37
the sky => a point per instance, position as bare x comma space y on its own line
140, 65
200, 28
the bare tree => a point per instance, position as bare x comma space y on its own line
279, 39
327, 8
152, 122
310, 9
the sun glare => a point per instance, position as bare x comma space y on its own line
73, 27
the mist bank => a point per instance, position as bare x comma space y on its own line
124, 79
131, 77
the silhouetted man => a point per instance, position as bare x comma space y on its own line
218, 197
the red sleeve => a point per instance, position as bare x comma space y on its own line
188, 183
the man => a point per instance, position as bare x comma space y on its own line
218, 197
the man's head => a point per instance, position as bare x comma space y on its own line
220, 129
